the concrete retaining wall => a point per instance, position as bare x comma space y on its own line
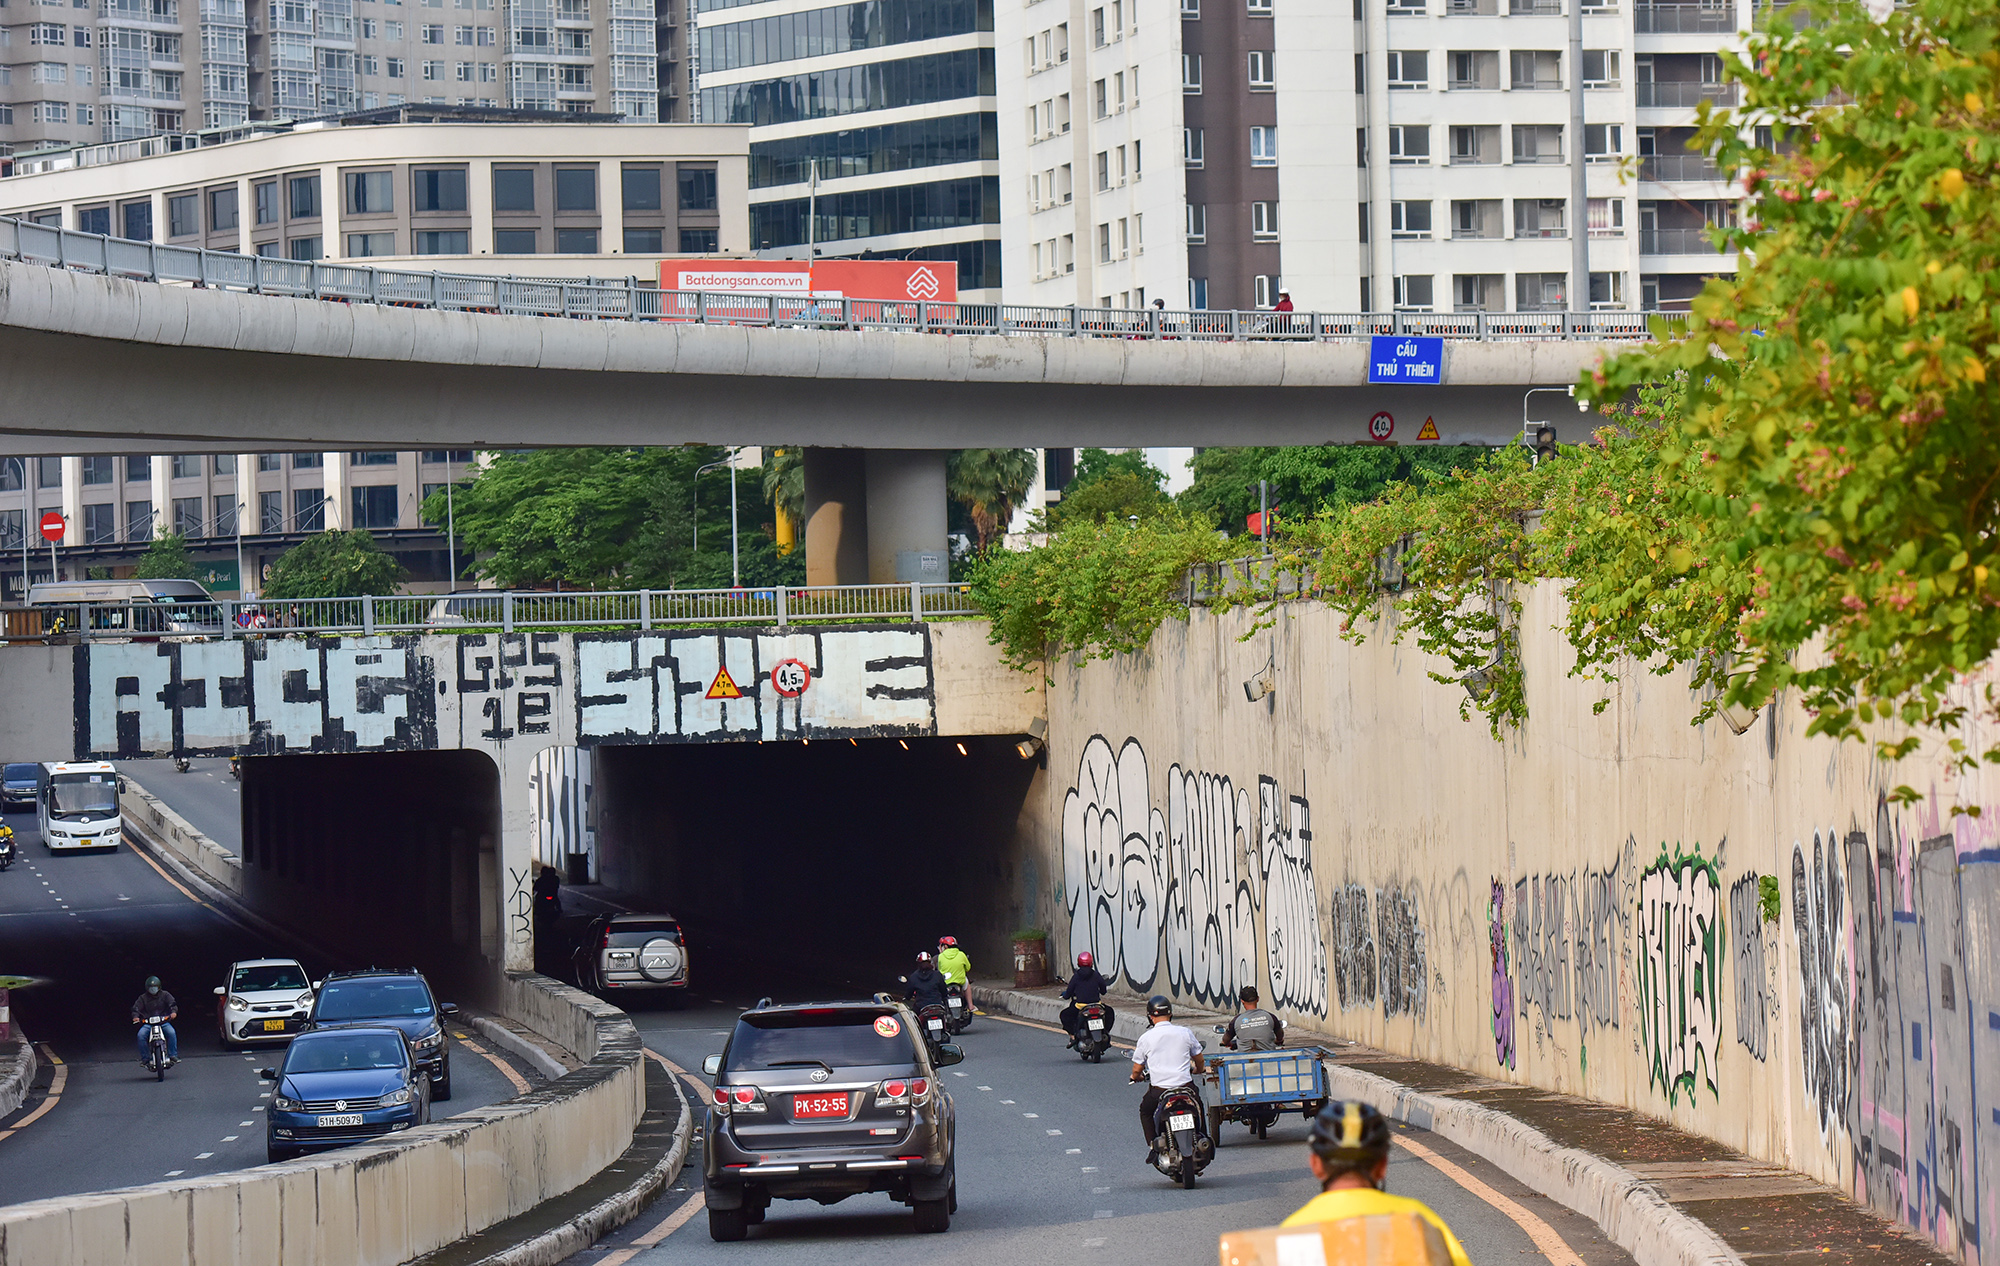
17, 1071
379, 1203
1577, 907
171, 831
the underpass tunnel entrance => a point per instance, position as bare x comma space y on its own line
842, 856
388, 859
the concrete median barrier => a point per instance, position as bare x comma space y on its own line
379, 1203
17, 1069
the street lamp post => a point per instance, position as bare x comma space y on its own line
735, 564
27, 504
450, 528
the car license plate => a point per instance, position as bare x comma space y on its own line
1097, 1024
804, 1106
1181, 1121
345, 1118
274, 1026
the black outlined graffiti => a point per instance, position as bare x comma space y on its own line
1680, 972
1746, 937
1819, 921
1399, 930
1353, 950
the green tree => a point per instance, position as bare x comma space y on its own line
1116, 497
557, 515
1093, 464
1307, 479
165, 559
1840, 395
785, 484
989, 483
333, 564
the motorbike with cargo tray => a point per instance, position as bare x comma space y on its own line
1255, 1088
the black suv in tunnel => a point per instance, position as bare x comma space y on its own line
826, 1100
403, 1000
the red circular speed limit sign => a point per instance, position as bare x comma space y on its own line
790, 677
53, 526
1381, 426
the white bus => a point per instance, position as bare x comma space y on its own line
76, 805
136, 607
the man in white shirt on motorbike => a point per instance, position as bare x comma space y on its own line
1167, 1055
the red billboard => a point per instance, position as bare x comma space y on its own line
890, 280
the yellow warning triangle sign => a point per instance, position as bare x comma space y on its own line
1429, 431
723, 687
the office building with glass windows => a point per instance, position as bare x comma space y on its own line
443, 192
1364, 155
872, 127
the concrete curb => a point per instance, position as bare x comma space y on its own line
17, 1075
502, 1036
1625, 1206
1129, 1022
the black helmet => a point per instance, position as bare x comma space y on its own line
152, 982
1159, 1005
1349, 1132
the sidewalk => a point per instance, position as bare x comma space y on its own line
1665, 1196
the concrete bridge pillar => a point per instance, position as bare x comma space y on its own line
836, 516
864, 508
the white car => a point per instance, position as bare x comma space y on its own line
266, 1000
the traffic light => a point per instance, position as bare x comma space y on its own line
1545, 443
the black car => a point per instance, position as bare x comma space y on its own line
397, 999
826, 1100
17, 786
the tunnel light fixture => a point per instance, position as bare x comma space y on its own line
1037, 739
855, 742
1265, 681
905, 744
961, 750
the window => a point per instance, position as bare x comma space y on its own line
697, 188
1259, 8
699, 241
1103, 169
138, 220
48, 472
437, 189
576, 189
94, 220
1264, 221
1541, 292
640, 188
1266, 288
1536, 71
1476, 218
1603, 142
1191, 73
1261, 76
434, 71
443, 242
392, 66
270, 511
1409, 144
308, 461
265, 197
1538, 143
96, 470
1600, 68
48, 33
1103, 96
1409, 70
187, 517
513, 241
225, 516
362, 245
513, 189
1104, 243
1197, 224
1475, 146
576, 241
462, 35
369, 192
138, 521
1477, 292
1410, 219
1191, 146
1198, 294
1607, 217
100, 525
1191, 9
1097, 27
1472, 71
267, 250
138, 470
270, 461
439, 456
305, 198
185, 466
308, 509
1413, 294
1607, 290
1540, 217
225, 463
1065, 184
1264, 146
433, 34
644, 241
221, 209
183, 215
303, 249
374, 506
487, 37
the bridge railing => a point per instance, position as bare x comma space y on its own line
777, 605
626, 299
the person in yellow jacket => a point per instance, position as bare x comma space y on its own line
952, 962
1350, 1157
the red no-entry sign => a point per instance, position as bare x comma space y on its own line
53, 526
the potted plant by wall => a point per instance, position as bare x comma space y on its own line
1031, 958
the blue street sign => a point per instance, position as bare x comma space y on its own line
1401, 359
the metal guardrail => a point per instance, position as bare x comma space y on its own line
627, 300
780, 606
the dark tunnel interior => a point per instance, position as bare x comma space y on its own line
856, 853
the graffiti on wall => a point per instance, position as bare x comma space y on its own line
1680, 972
1567, 934
1503, 976
1399, 931
269, 696
1819, 920
1174, 898
1353, 935
1746, 937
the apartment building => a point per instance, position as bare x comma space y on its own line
436, 189
74, 72
872, 132
1414, 154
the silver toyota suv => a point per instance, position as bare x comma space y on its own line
629, 952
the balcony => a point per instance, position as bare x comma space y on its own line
1684, 94
1677, 242
1686, 167
1472, 8
1535, 8
1683, 19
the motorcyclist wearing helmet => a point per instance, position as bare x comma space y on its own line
1086, 986
1167, 1055
952, 963
1253, 1029
156, 1001
926, 986
1350, 1157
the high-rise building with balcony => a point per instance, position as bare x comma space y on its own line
1410, 154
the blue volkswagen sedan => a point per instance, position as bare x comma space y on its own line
344, 1086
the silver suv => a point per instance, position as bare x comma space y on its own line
626, 952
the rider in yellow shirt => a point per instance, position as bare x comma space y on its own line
1350, 1157
952, 962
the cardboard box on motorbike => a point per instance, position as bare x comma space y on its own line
1383, 1239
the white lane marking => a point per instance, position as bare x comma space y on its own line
1090, 1169
265, 1095
258, 1108
1055, 1131
1006, 1101
982, 1087
956, 1073
1031, 1115
231, 1138
1098, 1191
1094, 1242
1073, 1151
175, 1173
1104, 1213
240, 1124
203, 1155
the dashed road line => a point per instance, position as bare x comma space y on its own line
203, 1155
